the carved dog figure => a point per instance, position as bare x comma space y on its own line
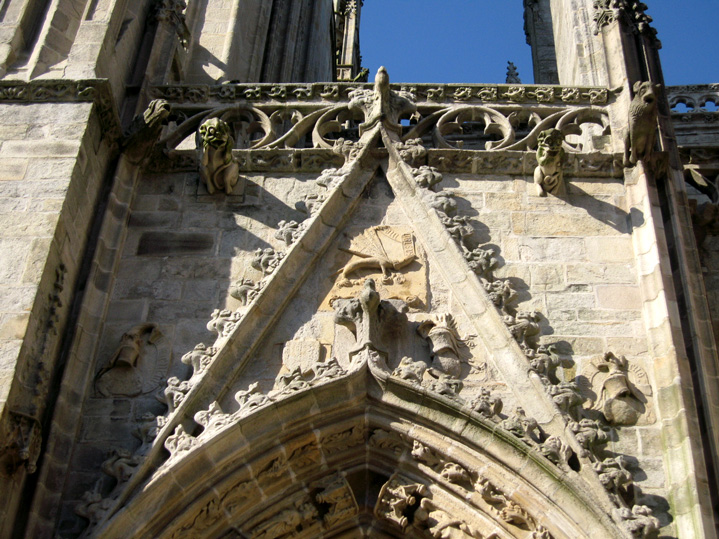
218, 169
548, 175
639, 139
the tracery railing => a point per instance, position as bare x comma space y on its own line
448, 116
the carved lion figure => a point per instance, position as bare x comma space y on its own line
548, 175
639, 140
218, 169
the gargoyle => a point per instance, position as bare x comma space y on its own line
219, 170
639, 139
548, 176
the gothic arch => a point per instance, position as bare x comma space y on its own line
324, 460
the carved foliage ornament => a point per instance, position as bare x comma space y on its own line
631, 12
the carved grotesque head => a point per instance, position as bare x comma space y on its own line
216, 133
157, 111
646, 92
551, 139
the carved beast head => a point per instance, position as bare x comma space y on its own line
216, 133
551, 139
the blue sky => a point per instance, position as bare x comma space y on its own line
472, 40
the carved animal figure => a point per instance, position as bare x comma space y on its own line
548, 175
374, 244
145, 130
639, 139
245, 290
218, 169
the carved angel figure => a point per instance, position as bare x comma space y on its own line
622, 389
548, 176
219, 170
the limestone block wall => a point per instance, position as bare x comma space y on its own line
51, 178
572, 259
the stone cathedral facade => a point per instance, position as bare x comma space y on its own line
249, 291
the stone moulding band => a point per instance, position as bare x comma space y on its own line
594, 165
424, 93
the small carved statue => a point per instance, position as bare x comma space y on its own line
223, 322
566, 396
245, 290
199, 358
219, 170
427, 177
548, 175
524, 326
288, 231
640, 521
440, 524
93, 506
556, 450
144, 131
639, 139
502, 295
121, 465
410, 370
174, 393
266, 260
395, 497
482, 261
412, 151
487, 405
589, 433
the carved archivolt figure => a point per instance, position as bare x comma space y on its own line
548, 176
286, 522
218, 169
119, 376
639, 140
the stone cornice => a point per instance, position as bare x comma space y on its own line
97, 91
